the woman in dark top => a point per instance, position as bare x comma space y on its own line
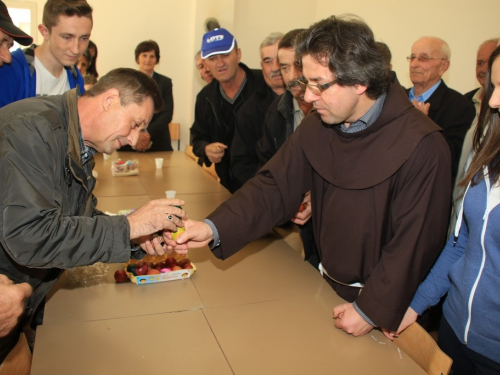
157, 136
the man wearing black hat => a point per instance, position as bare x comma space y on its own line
49, 69
8, 33
218, 102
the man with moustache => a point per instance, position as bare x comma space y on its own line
218, 103
282, 118
429, 60
49, 69
250, 118
287, 111
377, 169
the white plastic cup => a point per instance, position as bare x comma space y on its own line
106, 156
170, 194
159, 163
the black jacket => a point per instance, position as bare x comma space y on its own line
469, 95
158, 127
454, 113
208, 128
247, 132
278, 126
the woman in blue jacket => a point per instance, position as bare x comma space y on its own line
468, 269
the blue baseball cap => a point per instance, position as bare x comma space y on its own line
217, 41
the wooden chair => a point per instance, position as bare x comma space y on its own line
18, 361
175, 133
190, 153
424, 351
211, 171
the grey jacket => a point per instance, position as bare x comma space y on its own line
49, 221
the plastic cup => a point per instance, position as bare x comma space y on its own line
170, 194
106, 156
159, 163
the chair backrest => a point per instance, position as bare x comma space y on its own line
211, 171
424, 351
189, 152
175, 133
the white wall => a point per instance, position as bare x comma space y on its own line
177, 26
463, 24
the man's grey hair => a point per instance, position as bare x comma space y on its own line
444, 47
271, 39
489, 41
198, 54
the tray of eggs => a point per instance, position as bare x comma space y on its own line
155, 270
120, 168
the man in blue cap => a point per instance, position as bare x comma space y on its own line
218, 102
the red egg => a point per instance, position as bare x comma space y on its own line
183, 262
141, 268
170, 262
120, 276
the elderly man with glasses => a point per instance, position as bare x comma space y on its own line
378, 172
429, 60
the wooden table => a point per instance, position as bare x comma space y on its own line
262, 311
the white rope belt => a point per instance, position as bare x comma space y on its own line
322, 271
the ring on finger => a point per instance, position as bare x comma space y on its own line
169, 217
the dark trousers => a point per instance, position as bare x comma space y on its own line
465, 361
311, 253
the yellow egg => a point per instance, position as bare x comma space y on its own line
175, 234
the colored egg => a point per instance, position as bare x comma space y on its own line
175, 234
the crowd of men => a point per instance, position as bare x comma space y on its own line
323, 136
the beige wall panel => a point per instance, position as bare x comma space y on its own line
462, 23
254, 20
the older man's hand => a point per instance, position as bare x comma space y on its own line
421, 106
215, 152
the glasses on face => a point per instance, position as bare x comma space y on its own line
315, 89
423, 58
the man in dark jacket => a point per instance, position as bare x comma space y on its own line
287, 111
377, 169
282, 118
49, 219
429, 60
250, 118
218, 102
